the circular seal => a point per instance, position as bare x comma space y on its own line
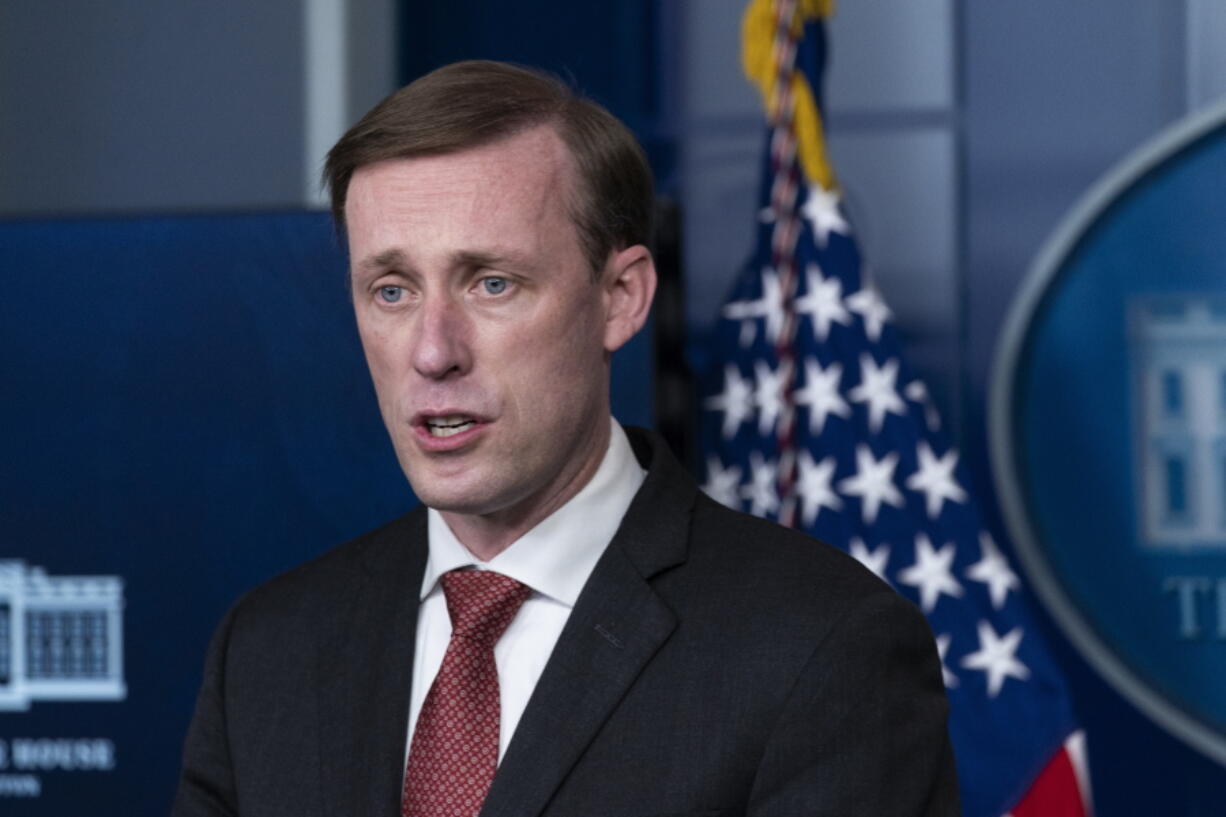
1108, 428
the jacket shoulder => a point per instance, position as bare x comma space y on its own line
751, 539
780, 571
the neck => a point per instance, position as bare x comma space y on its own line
487, 535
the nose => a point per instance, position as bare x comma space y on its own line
441, 347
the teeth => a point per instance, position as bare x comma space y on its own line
447, 426
447, 431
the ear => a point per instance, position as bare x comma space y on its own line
629, 282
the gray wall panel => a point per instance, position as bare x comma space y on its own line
134, 105
891, 56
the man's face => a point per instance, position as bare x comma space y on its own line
485, 332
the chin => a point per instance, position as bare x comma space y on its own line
455, 496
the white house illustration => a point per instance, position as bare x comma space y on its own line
61, 637
1178, 347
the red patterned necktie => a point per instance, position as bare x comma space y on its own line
454, 752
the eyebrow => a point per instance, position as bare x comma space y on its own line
473, 259
383, 260
464, 259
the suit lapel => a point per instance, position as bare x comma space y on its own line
617, 625
365, 671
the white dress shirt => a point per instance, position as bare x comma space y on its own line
555, 559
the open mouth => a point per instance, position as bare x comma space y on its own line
448, 426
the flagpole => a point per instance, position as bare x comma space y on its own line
784, 189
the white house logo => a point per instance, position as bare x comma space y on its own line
1108, 429
61, 637
1178, 350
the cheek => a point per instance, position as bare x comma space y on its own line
572, 376
568, 346
554, 368
380, 361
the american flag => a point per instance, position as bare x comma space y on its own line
811, 417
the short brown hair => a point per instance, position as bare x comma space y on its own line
473, 103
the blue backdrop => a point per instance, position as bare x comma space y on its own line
185, 412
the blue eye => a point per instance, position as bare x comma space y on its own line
494, 286
390, 294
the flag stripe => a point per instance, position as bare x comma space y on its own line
1056, 792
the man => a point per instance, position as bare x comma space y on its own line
571, 628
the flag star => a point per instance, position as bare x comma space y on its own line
877, 390
947, 676
761, 491
935, 478
916, 391
931, 572
822, 302
868, 305
768, 306
996, 657
813, 486
722, 483
875, 560
766, 215
873, 482
994, 571
821, 208
735, 401
821, 394
768, 395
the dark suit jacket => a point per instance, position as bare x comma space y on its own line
714, 664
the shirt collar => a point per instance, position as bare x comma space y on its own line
556, 557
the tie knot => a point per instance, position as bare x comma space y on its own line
481, 603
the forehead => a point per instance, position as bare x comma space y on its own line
515, 187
